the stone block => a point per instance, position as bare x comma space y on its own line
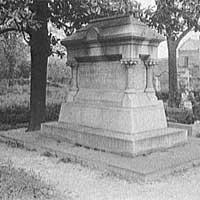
113, 141
122, 119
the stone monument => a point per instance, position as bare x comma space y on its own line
112, 104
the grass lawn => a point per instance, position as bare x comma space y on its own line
14, 105
18, 184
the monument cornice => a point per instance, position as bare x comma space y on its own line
116, 28
111, 57
129, 37
117, 38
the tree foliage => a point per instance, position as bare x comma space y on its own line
175, 18
13, 51
70, 15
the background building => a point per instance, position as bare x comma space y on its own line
189, 64
188, 68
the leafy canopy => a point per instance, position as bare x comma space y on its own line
67, 14
170, 17
174, 17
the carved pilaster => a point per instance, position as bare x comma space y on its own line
130, 66
74, 83
150, 63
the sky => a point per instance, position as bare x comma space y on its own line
162, 49
146, 3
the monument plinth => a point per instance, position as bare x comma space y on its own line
112, 104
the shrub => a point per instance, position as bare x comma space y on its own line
14, 105
14, 115
58, 71
162, 96
23, 81
196, 111
179, 115
52, 112
24, 69
196, 104
165, 96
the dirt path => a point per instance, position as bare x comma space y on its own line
78, 182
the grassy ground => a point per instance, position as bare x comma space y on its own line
76, 182
14, 105
18, 184
20, 95
15, 183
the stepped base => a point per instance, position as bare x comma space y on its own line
141, 168
115, 142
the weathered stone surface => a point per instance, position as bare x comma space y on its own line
113, 118
112, 104
115, 141
102, 75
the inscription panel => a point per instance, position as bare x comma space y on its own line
102, 75
140, 77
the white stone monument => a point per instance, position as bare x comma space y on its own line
112, 104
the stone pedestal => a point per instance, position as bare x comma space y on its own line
112, 104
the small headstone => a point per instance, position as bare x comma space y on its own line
187, 105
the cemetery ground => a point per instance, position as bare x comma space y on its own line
27, 174
14, 104
48, 177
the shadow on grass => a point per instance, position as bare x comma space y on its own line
6, 127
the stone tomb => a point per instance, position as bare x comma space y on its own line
112, 104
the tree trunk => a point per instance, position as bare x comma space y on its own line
11, 70
39, 58
173, 85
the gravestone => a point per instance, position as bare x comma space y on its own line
185, 100
112, 104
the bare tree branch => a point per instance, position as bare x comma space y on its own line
5, 30
183, 34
